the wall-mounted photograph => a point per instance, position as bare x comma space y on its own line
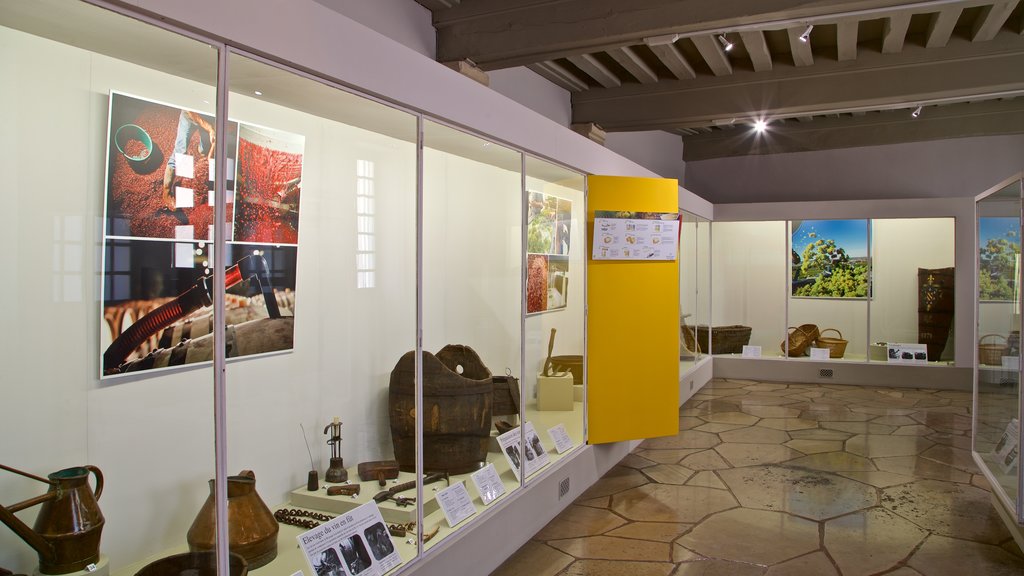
830, 258
547, 245
998, 258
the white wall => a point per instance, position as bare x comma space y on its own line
658, 151
533, 91
939, 169
404, 21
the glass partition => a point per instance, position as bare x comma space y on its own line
553, 387
690, 346
912, 286
703, 303
828, 296
997, 431
101, 272
750, 279
472, 310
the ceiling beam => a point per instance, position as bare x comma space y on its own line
596, 70
800, 50
633, 64
914, 75
757, 49
894, 32
846, 39
873, 129
991, 20
504, 33
940, 26
559, 75
674, 60
713, 54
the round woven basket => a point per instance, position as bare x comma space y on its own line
800, 339
990, 354
836, 346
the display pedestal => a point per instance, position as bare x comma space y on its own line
555, 393
389, 510
102, 569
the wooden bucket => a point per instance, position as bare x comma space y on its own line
456, 429
572, 363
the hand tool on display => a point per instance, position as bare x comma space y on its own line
313, 478
390, 493
546, 371
379, 470
337, 472
343, 490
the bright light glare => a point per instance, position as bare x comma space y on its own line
760, 126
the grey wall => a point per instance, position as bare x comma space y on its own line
531, 90
404, 21
938, 169
655, 150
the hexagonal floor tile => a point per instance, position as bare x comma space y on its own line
656, 531
816, 564
815, 446
576, 521
921, 468
615, 480
717, 568
940, 556
706, 479
858, 427
771, 411
766, 537
667, 456
913, 430
731, 418
668, 473
884, 445
716, 427
815, 495
948, 509
706, 460
819, 434
614, 568
685, 439
536, 558
754, 454
878, 479
670, 503
950, 456
611, 548
755, 435
835, 462
870, 541
788, 423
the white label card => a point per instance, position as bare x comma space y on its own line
183, 197
1011, 362
299, 573
534, 451
820, 354
488, 484
184, 166
751, 351
561, 438
357, 541
456, 503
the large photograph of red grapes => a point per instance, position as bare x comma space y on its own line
547, 252
159, 223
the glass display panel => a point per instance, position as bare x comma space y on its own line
473, 207
750, 279
75, 285
325, 197
703, 310
997, 417
553, 380
690, 346
912, 287
829, 288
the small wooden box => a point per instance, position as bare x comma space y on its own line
555, 393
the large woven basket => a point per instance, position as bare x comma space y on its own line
836, 346
724, 339
800, 339
988, 353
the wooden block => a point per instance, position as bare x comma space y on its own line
555, 393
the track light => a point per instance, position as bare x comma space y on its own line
916, 112
726, 45
760, 126
807, 33
662, 40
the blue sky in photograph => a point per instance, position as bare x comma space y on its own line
989, 228
850, 235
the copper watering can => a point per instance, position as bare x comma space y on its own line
66, 534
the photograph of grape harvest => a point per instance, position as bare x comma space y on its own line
547, 246
830, 258
998, 258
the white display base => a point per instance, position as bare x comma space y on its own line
555, 393
102, 568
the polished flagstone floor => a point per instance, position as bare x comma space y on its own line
789, 480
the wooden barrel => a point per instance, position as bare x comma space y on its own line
457, 427
935, 306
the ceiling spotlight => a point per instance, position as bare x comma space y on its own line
662, 40
760, 126
726, 45
916, 112
257, 92
807, 33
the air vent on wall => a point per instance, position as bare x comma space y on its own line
825, 373
563, 487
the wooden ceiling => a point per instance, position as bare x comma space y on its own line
865, 66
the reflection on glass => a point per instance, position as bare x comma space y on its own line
553, 377
997, 427
689, 278
703, 310
472, 314
750, 281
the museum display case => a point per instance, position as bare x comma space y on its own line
372, 265
694, 289
858, 290
997, 402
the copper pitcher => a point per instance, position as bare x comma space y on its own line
67, 531
252, 528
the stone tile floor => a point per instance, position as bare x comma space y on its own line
782, 479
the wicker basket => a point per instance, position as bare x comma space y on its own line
836, 346
991, 354
800, 339
724, 339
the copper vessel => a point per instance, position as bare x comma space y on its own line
252, 529
66, 535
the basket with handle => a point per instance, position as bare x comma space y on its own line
836, 346
990, 353
800, 339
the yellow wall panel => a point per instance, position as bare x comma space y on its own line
632, 323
